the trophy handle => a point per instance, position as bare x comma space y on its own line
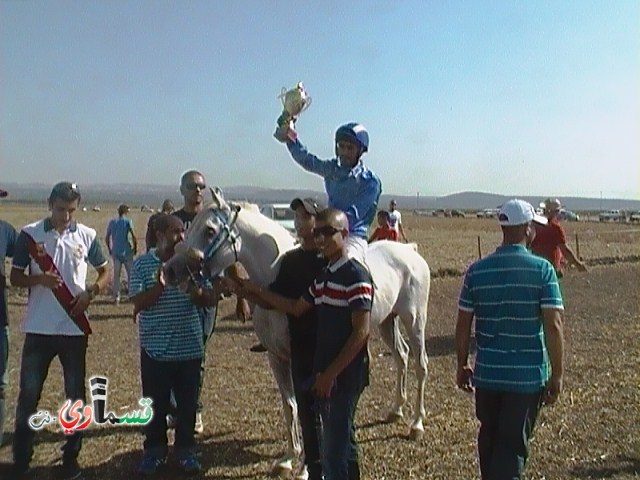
307, 104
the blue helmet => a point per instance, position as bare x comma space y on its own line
355, 133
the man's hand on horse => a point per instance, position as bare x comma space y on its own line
247, 287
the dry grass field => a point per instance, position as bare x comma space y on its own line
592, 433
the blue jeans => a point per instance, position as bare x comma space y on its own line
338, 441
506, 423
117, 269
37, 353
4, 358
159, 378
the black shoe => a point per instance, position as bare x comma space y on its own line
18, 472
70, 469
258, 348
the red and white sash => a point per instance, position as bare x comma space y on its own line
63, 294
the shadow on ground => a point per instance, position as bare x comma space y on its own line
610, 468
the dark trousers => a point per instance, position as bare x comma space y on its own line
302, 373
158, 380
338, 440
208, 327
506, 424
37, 353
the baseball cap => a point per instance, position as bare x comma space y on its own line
310, 205
518, 212
552, 204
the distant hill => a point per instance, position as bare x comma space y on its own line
153, 195
479, 200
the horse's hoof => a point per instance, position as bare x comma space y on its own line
281, 469
394, 417
301, 474
415, 434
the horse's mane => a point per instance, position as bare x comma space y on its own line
259, 225
252, 207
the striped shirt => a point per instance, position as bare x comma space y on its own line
171, 329
507, 291
337, 292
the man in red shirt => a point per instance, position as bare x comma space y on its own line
384, 231
551, 242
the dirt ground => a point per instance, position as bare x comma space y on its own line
592, 433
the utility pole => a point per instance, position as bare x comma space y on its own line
600, 200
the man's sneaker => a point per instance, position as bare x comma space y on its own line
199, 426
70, 469
172, 421
189, 464
150, 464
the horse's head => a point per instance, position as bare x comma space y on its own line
211, 244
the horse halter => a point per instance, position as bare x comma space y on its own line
228, 232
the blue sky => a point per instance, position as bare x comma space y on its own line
508, 97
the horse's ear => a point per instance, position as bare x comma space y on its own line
216, 196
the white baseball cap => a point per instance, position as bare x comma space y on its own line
518, 212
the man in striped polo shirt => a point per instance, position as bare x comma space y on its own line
515, 299
171, 349
342, 295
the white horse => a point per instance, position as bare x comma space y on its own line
222, 234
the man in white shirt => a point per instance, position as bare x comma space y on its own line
51, 259
395, 220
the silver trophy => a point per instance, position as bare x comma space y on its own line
294, 101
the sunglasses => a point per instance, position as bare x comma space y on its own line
193, 186
326, 231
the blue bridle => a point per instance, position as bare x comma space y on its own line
227, 232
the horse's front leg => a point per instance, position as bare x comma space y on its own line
281, 368
272, 330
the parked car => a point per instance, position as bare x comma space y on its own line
488, 213
635, 217
568, 215
457, 213
613, 216
280, 213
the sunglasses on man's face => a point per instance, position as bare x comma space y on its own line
194, 185
326, 231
